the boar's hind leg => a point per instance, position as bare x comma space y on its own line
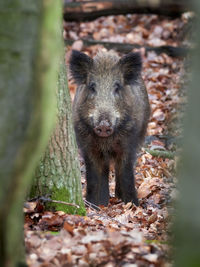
118, 192
125, 184
97, 182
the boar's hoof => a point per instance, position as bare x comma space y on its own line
136, 202
132, 199
104, 129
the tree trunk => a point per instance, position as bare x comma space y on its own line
30, 49
90, 10
58, 174
187, 227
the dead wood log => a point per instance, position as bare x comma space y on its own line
90, 10
161, 153
126, 48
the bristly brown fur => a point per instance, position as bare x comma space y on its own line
110, 97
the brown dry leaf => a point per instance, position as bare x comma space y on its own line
34, 241
151, 257
72, 35
29, 207
152, 218
51, 222
68, 227
148, 187
99, 236
159, 115
79, 250
77, 45
115, 237
125, 217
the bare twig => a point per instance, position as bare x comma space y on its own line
47, 199
104, 216
92, 206
65, 203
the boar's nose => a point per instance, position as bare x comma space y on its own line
103, 129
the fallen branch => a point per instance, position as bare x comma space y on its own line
160, 153
125, 48
64, 203
90, 10
47, 199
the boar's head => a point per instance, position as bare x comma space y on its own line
105, 92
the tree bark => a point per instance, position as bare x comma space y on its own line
187, 226
29, 52
90, 10
58, 174
172, 51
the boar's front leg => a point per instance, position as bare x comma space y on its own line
97, 173
125, 183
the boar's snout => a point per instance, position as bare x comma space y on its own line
103, 129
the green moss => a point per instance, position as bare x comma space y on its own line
53, 233
81, 210
154, 241
58, 173
62, 194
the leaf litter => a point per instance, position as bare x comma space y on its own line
122, 235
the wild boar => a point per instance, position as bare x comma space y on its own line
110, 114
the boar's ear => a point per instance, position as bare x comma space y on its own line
80, 64
131, 65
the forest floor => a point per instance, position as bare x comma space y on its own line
124, 235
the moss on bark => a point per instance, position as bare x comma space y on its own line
58, 174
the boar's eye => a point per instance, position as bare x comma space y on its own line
117, 88
92, 87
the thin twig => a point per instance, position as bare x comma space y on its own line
92, 206
65, 203
96, 209
47, 199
